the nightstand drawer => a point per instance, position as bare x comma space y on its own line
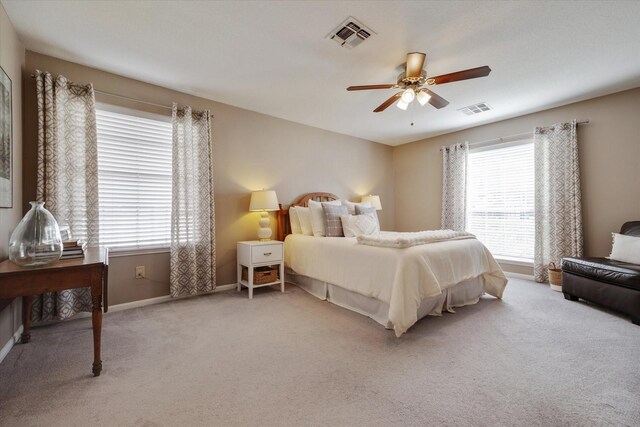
266, 253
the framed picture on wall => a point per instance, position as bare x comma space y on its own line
6, 140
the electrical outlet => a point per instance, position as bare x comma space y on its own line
140, 274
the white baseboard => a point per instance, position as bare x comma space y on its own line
519, 276
228, 287
223, 288
9, 345
146, 302
160, 300
135, 304
114, 308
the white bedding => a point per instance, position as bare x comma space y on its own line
400, 277
405, 240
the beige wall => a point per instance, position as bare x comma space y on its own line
252, 151
12, 61
609, 150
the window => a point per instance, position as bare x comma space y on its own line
134, 180
500, 204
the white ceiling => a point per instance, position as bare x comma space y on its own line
272, 57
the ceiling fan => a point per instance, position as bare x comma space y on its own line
415, 77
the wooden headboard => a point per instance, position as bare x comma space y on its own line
284, 226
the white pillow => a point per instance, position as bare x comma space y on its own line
294, 220
625, 248
359, 225
360, 210
304, 215
317, 216
351, 206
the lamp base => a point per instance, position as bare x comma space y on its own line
264, 232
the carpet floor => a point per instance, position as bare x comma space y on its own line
290, 359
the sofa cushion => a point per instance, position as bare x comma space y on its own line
605, 270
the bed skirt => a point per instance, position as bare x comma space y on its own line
467, 292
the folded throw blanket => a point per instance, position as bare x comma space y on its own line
387, 239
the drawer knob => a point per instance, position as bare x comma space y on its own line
267, 253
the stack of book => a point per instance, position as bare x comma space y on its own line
73, 249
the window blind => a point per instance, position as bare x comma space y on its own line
134, 180
500, 198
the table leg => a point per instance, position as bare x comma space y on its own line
27, 301
282, 276
96, 318
250, 280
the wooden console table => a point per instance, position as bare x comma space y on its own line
88, 272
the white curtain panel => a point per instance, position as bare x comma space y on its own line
558, 229
454, 181
67, 177
193, 234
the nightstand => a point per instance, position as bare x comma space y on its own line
254, 253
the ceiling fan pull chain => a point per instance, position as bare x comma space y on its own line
413, 109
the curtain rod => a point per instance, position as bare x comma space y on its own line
132, 99
511, 137
33, 76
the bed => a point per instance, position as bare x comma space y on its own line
394, 286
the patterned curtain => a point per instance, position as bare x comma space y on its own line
454, 181
557, 197
67, 179
193, 233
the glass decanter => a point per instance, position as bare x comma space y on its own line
36, 240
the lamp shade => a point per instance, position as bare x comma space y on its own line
374, 200
408, 95
402, 105
423, 97
265, 200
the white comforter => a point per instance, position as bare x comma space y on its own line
400, 277
405, 240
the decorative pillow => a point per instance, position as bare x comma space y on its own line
332, 222
351, 206
317, 216
359, 225
361, 210
625, 248
294, 220
304, 215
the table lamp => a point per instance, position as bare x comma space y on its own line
263, 201
374, 200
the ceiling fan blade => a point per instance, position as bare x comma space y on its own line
436, 100
415, 62
367, 87
388, 102
471, 73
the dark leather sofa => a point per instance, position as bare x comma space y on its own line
612, 284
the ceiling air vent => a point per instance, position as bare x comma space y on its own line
475, 108
350, 33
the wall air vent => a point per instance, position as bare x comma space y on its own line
475, 108
350, 33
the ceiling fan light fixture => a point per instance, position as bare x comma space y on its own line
408, 96
402, 105
410, 83
423, 97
